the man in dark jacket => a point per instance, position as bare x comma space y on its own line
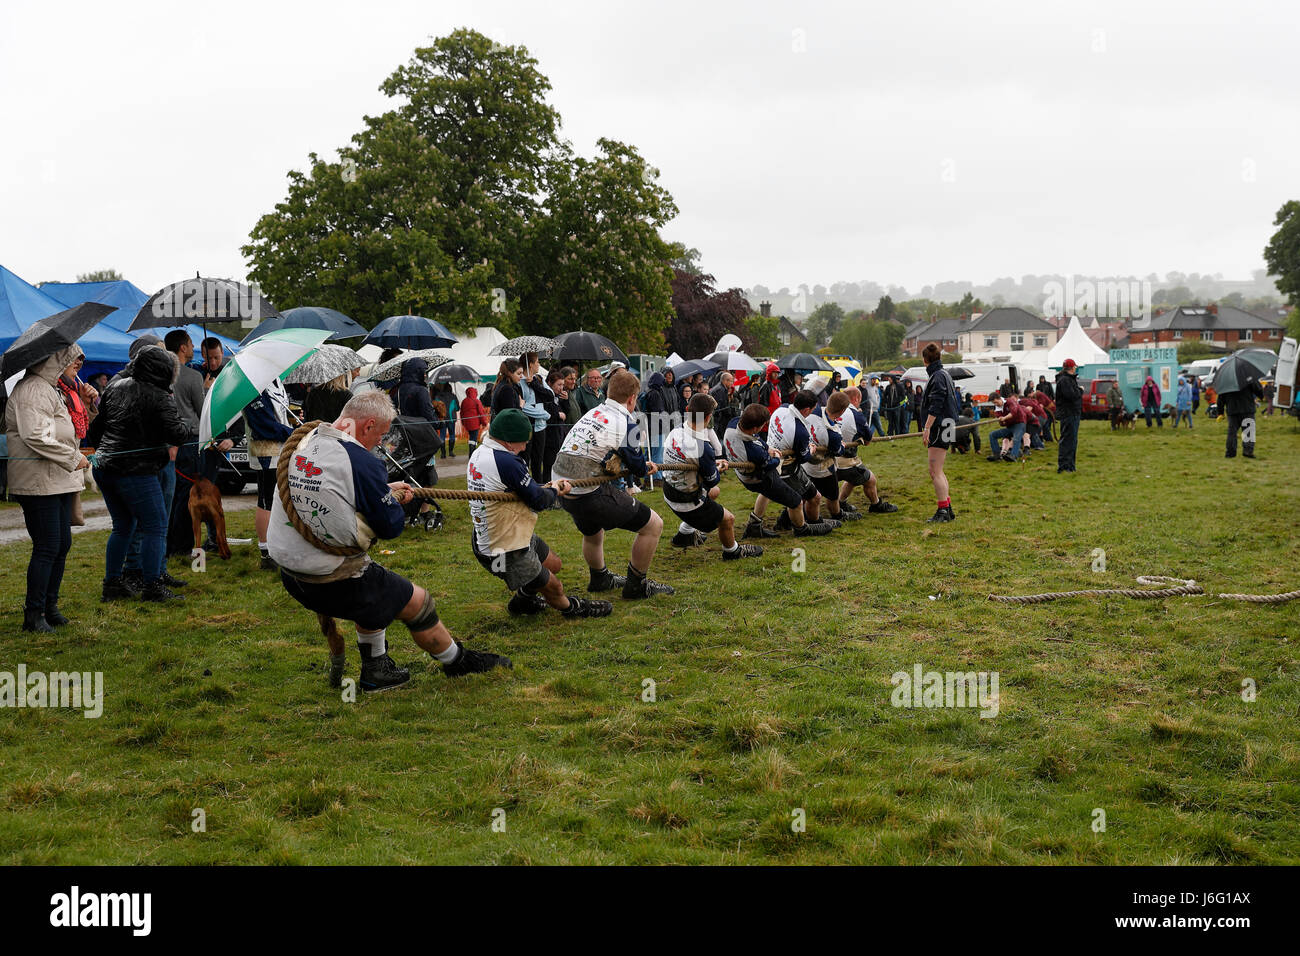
1240, 408
1069, 409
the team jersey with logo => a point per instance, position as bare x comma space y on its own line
685, 446
854, 425
493, 467
333, 481
786, 432
607, 428
741, 449
822, 434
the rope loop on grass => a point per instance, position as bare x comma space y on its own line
1178, 587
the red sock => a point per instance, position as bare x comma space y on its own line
946, 503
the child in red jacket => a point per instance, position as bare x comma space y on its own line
473, 416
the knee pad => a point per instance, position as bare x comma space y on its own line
427, 616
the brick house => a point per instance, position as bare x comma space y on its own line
1223, 326
1006, 329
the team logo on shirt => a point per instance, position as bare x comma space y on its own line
474, 472
308, 468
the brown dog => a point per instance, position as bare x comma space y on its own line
205, 505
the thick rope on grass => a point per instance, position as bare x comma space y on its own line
1182, 586
1263, 598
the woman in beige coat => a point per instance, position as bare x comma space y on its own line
46, 476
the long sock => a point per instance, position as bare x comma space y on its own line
946, 503
372, 643
449, 655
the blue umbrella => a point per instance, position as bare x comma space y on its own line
310, 317
410, 332
686, 369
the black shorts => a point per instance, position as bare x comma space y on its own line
856, 476
371, 601
705, 516
935, 430
798, 480
775, 488
266, 487
606, 509
521, 569
827, 485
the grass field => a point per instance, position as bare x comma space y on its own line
772, 692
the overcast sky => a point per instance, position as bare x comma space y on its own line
803, 142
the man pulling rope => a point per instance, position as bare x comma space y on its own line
333, 500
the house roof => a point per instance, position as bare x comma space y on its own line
1009, 318
915, 327
941, 331
788, 326
1200, 318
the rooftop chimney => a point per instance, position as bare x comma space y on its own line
765, 309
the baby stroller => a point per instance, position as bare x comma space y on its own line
409, 450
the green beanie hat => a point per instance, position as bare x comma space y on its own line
510, 424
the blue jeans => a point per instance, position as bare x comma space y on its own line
167, 482
875, 424
1148, 410
1183, 413
135, 503
1015, 432
49, 524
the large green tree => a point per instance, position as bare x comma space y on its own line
462, 203
1282, 254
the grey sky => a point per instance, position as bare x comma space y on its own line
803, 142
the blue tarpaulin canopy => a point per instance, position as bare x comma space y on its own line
21, 304
128, 299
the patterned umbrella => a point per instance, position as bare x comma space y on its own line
391, 370
326, 363
247, 374
524, 343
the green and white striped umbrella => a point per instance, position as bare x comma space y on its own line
247, 374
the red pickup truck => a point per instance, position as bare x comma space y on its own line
1094, 397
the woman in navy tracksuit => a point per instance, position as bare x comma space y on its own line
939, 413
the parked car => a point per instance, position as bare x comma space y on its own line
233, 472
1094, 397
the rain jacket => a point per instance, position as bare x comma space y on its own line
1069, 396
138, 417
413, 399
1150, 392
472, 413
42, 442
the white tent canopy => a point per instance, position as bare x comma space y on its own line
1075, 344
472, 350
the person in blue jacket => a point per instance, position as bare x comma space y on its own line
266, 419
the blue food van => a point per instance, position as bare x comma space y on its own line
1130, 368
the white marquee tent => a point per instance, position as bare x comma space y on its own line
1075, 344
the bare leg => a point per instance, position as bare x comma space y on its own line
434, 639
262, 520
593, 550
760, 505
796, 516
727, 530
553, 591
936, 457
870, 490
647, 539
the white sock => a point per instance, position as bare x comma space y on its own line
684, 528
449, 655
734, 546
372, 643
261, 546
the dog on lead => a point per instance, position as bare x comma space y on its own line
205, 505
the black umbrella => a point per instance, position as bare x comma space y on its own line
46, 336
200, 300
310, 317
586, 347
453, 372
686, 369
804, 362
1241, 369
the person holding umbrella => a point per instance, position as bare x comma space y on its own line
46, 476
1239, 406
137, 422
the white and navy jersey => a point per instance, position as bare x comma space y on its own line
821, 433
333, 481
607, 429
685, 446
493, 467
786, 432
748, 449
854, 425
